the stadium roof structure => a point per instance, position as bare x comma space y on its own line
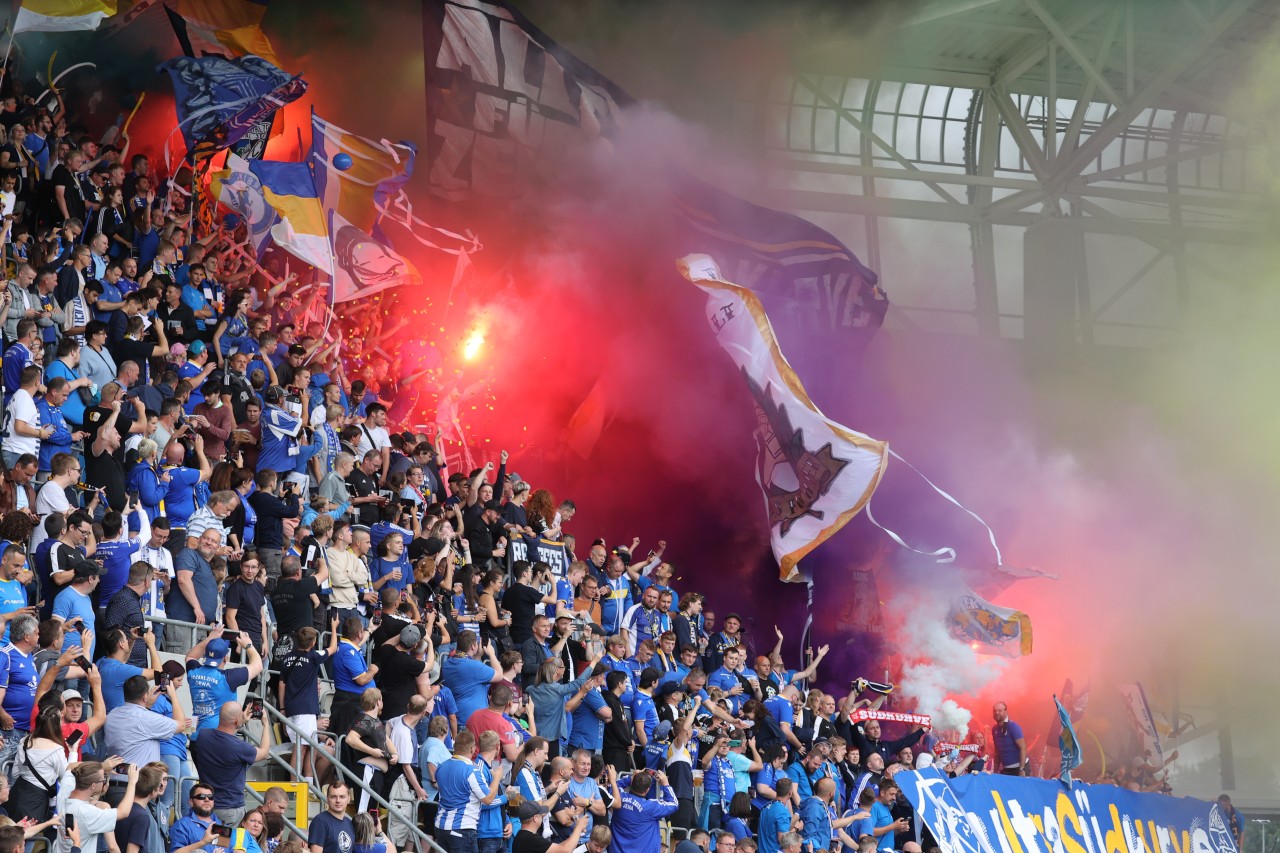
1117, 147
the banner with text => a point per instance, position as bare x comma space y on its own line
986, 813
533, 549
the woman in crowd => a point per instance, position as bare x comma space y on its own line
495, 624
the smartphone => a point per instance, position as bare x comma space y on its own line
73, 740
255, 709
82, 662
222, 831
163, 679
132, 495
376, 618
69, 821
123, 769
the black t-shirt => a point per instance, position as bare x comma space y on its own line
127, 349
133, 829
361, 485
173, 318
247, 597
96, 416
105, 471
301, 673
398, 672
62, 177
241, 392
521, 601
391, 627
530, 842
292, 603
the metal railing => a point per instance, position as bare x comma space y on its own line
272, 714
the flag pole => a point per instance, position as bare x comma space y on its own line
7, 53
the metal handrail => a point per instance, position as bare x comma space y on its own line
270, 712
354, 779
290, 825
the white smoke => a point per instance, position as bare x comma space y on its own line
943, 667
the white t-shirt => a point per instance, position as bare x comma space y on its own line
22, 407
381, 439
91, 820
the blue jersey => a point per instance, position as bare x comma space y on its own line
643, 711
469, 680
635, 824
349, 663
615, 601
380, 568
628, 693
69, 604
211, 688
18, 678
817, 823
13, 596
117, 557
460, 794
775, 819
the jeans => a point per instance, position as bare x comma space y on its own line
178, 768
229, 817
271, 558
491, 845
458, 840
9, 740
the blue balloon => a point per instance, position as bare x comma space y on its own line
342, 162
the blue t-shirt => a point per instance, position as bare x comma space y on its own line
881, 816
211, 688
860, 827
222, 761
643, 710
114, 674
379, 567
1006, 738
469, 680
774, 818
588, 728
349, 663
18, 678
206, 588
769, 776
13, 596
189, 371
635, 824
445, 707
333, 835
69, 604
179, 499
301, 673
176, 745
116, 558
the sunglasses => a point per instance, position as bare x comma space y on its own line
202, 796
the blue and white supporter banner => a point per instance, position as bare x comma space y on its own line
985, 813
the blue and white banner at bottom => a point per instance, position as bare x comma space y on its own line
985, 813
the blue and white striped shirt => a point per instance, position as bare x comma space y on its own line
461, 790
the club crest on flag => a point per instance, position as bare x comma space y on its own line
794, 475
239, 189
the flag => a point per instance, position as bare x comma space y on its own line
239, 189
1143, 722
362, 264
52, 16
503, 98
220, 100
221, 28
299, 226
1068, 744
377, 175
588, 422
987, 627
816, 474
782, 257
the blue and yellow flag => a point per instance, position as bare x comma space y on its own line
300, 222
1068, 744
373, 176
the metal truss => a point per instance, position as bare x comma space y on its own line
1112, 115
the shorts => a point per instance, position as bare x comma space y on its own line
306, 724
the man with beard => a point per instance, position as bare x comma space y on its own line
866, 737
195, 831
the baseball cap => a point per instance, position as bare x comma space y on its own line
215, 651
68, 695
410, 636
196, 347
670, 688
86, 568
494, 505
530, 809
662, 731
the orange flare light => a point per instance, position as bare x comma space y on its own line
474, 342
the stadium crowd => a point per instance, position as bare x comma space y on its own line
189, 468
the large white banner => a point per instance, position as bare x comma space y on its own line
815, 473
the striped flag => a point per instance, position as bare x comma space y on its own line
54, 16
